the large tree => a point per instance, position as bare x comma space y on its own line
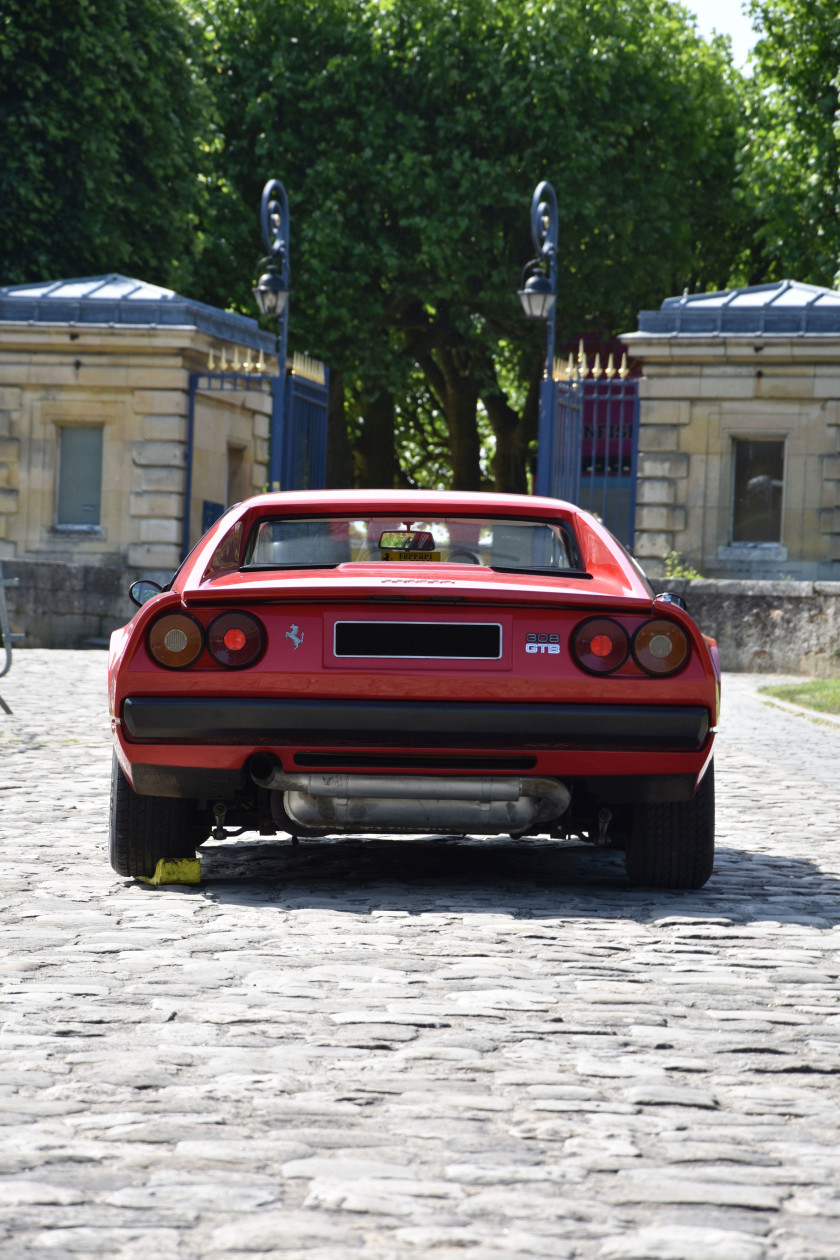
98, 139
791, 167
410, 135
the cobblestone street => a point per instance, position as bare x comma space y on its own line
423, 1047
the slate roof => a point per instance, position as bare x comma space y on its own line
785, 308
118, 300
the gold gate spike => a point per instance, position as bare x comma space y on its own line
307, 367
583, 366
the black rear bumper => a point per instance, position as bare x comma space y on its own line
416, 724
205, 784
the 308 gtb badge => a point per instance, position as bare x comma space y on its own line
544, 644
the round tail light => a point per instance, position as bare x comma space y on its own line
175, 640
660, 647
600, 645
235, 639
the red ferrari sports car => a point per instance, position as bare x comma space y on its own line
385, 661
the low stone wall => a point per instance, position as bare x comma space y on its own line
772, 627
767, 627
66, 605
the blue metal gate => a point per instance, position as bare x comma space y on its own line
558, 462
304, 440
589, 454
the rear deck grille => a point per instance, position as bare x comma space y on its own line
419, 640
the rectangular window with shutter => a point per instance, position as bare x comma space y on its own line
79, 491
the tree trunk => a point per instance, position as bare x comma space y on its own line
509, 461
463, 435
339, 453
375, 454
515, 435
530, 422
453, 381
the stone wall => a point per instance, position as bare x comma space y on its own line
9, 464
767, 627
66, 605
772, 627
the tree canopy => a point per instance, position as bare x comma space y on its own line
136, 135
410, 135
791, 164
99, 122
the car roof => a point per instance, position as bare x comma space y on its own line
480, 502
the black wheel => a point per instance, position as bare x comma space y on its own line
672, 845
145, 829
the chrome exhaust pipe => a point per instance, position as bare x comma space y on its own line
489, 805
392, 787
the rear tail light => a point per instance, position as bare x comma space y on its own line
660, 647
235, 639
175, 640
600, 645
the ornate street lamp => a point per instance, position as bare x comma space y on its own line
272, 289
538, 295
271, 292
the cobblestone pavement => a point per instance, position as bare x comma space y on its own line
420, 1047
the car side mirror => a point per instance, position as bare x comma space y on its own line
141, 592
669, 597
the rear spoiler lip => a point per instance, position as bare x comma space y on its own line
406, 593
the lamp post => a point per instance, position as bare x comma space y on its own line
538, 295
271, 292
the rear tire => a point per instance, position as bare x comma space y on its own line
672, 845
145, 829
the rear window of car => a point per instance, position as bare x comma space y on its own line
507, 544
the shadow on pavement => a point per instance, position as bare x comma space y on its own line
526, 879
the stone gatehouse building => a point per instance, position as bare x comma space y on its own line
116, 441
739, 440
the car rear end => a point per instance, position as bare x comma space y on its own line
449, 695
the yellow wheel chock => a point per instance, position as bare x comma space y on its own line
181, 871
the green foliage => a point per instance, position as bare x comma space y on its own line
98, 153
791, 164
410, 135
676, 567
